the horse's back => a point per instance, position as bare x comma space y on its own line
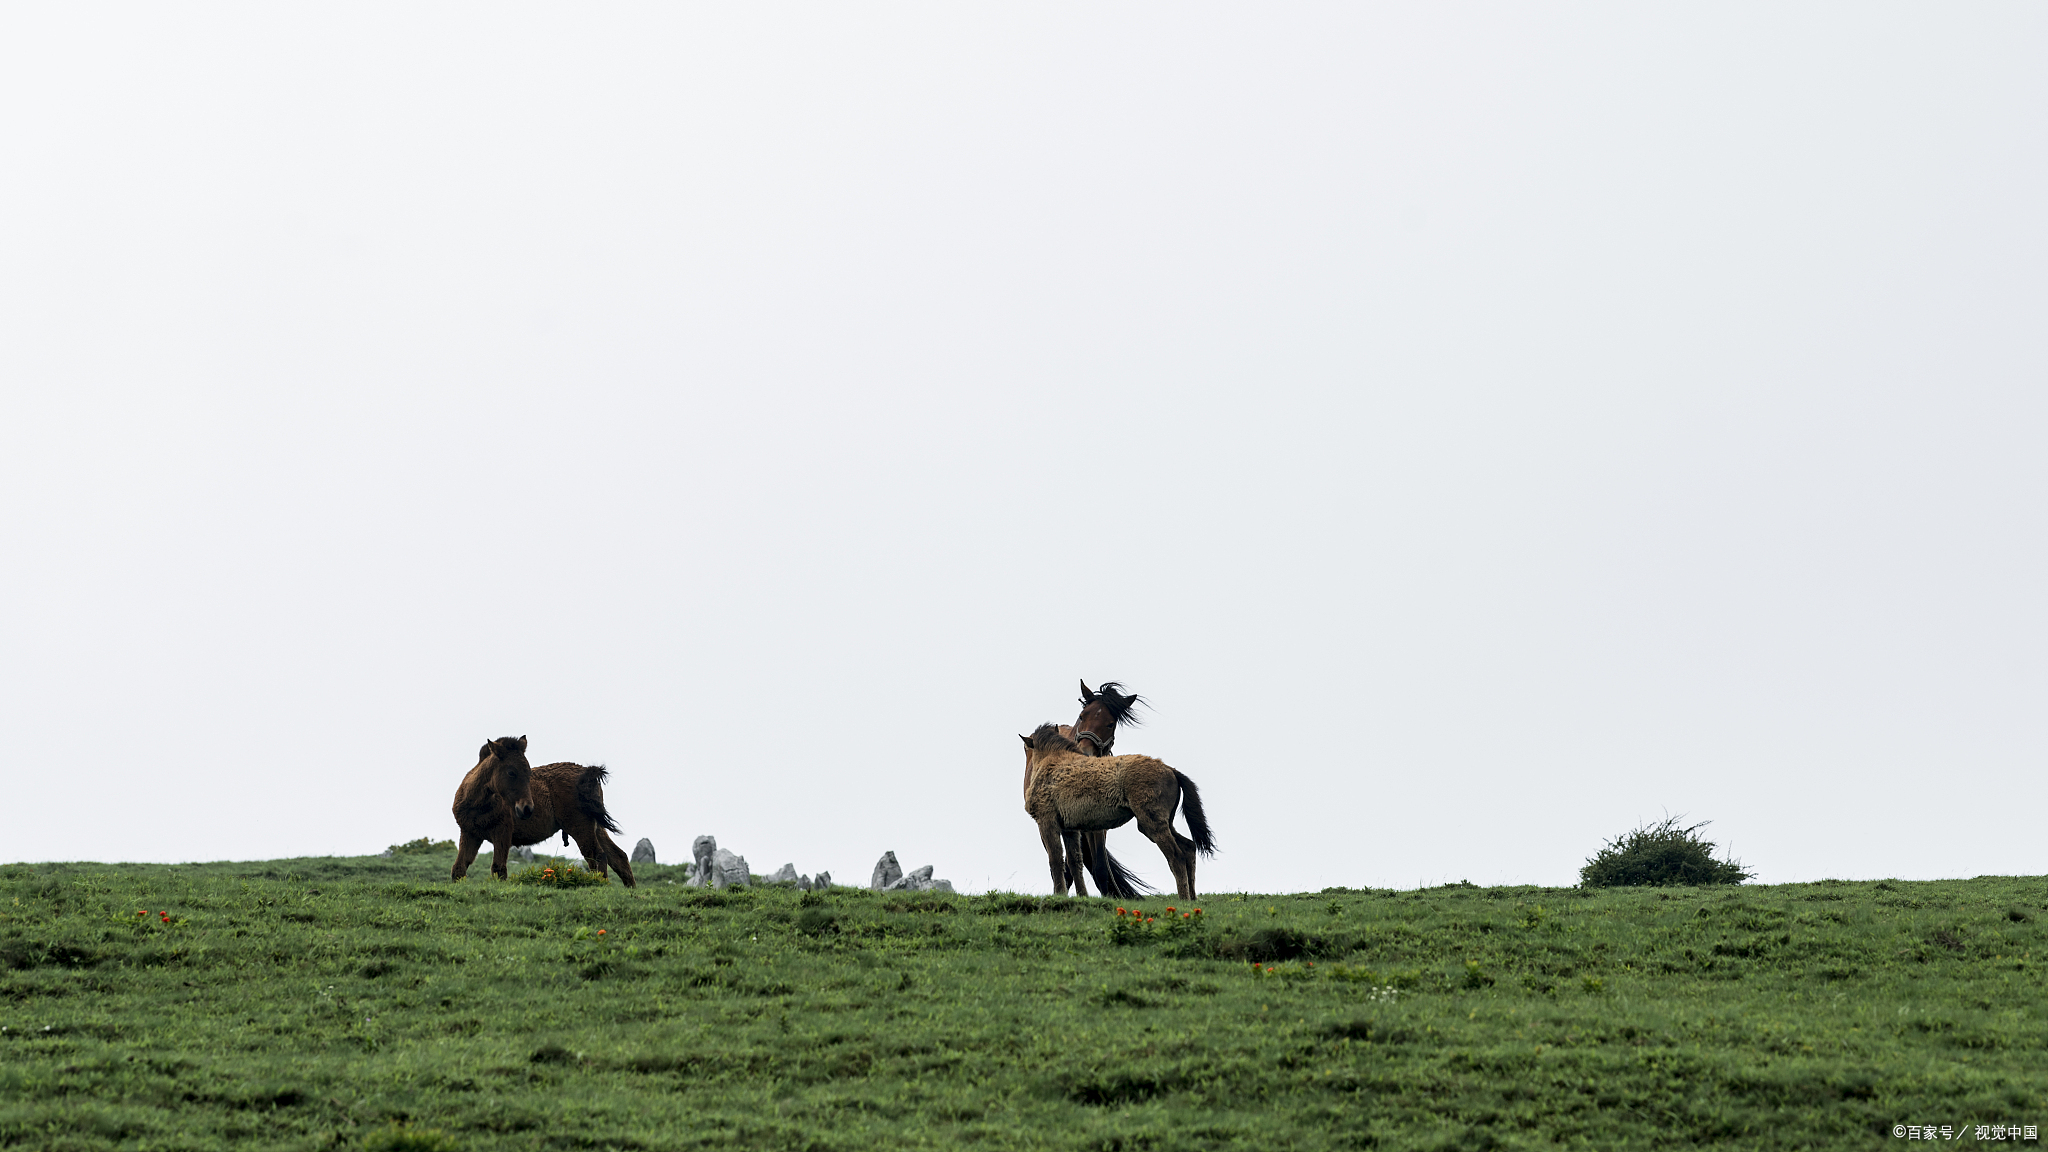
1141, 772
1145, 780
575, 792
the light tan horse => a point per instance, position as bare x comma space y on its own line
1069, 792
510, 803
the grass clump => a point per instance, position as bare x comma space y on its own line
1660, 855
403, 1138
555, 872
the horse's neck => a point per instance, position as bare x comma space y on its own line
490, 790
1034, 773
1038, 772
477, 784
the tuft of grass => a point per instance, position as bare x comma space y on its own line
1659, 855
555, 872
404, 1138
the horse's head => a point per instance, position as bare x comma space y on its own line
1102, 710
504, 763
1049, 740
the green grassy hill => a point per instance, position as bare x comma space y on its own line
368, 1003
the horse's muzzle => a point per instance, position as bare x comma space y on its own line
522, 810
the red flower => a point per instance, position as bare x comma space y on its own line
600, 931
1169, 909
140, 912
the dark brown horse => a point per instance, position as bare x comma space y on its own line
1070, 792
510, 803
1094, 733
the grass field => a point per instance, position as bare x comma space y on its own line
368, 1003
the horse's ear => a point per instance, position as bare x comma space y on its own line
522, 743
1025, 739
483, 753
1087, 697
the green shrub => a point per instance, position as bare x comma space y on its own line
1272, 945
816, 921
1659, 855
421, 846
556, 872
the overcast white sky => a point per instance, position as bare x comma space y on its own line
1479, 428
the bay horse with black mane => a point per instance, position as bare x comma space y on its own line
1069, 792
1094, 732
510, 803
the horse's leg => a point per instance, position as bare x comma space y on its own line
1158, 828
1073, 842
593, 855
1095, 853
465, 855
501, 849
1188, 857
620, 861
1050, 834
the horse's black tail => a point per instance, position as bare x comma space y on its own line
1114, 880
1191, 807
590, 796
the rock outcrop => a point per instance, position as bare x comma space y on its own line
890, 877
701, 852
714, 867
729, 871
643, 852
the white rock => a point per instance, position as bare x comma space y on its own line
918, 881
729, 871
643, 852
701, 852
887, 872
784, 875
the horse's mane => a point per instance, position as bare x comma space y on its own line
501, 744
1111, 693
1048, 739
